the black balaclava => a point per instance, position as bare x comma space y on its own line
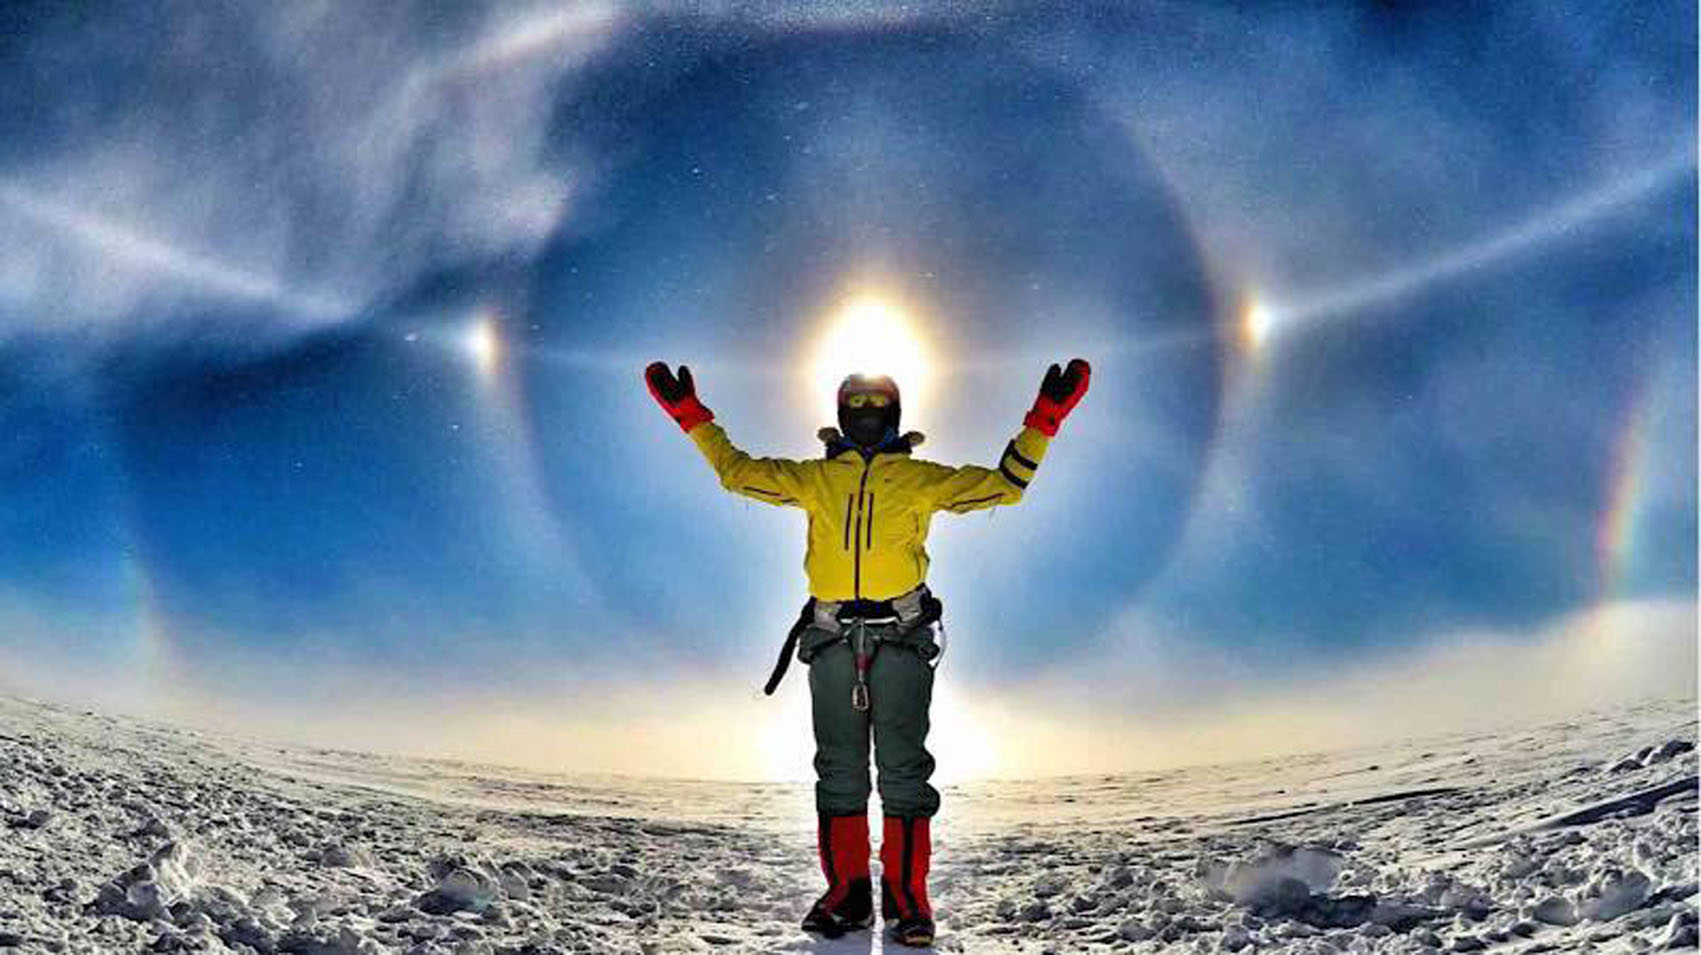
868, 427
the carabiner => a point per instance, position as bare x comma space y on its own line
859, 646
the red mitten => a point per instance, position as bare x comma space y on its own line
1059, 393
677, 396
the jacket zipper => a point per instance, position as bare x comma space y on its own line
856, 580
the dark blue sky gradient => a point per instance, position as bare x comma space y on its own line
239, 249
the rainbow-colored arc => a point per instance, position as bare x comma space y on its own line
150, 657
1622, 512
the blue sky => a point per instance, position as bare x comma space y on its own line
242, 251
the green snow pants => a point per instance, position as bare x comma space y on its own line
900, 689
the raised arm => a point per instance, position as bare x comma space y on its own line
972, 488
777, 481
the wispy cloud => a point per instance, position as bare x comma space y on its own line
1340, 159
352, 155
1559, 222
109, 261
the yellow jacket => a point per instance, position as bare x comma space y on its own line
868, 516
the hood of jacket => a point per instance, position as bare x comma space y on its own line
838, 444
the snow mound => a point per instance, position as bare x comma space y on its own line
460, 888
149, 890
1275, 876
1615, 893
1652, 756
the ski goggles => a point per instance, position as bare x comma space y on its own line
867, 399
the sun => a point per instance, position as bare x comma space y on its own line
873, 335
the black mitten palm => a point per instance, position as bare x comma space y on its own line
677, 395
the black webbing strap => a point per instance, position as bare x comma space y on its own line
784, 662
864, 609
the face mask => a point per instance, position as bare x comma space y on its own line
865, 426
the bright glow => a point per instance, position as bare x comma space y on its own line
874, 336
961, 738
785, 745
1256, 322
483, 345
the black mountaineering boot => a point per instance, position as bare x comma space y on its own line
915, 931
853, 909
905, 852
848, 903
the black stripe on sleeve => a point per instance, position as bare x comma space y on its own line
768, 495
1010, 450
1009, 475
972, 501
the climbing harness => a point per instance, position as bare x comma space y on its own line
849, 620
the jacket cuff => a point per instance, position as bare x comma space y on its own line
690, 413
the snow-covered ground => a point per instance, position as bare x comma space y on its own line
122, 836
